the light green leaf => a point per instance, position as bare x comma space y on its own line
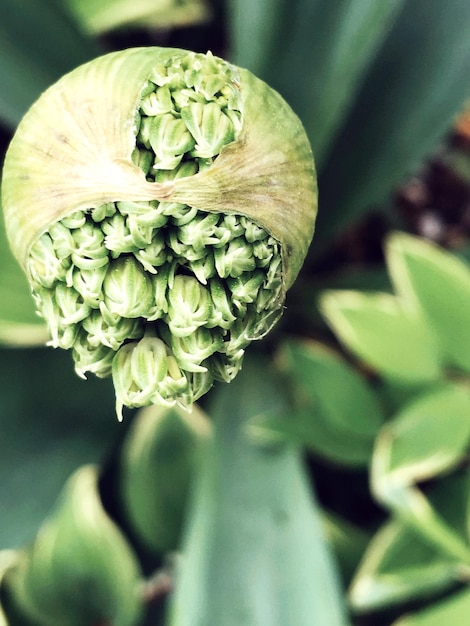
454, 610
439, 283
417, 84
428, 437
336, 414
160, 456
388, 335
398, 567
254, 552
101, 16
19, 323
38, 43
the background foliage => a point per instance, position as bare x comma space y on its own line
373, 381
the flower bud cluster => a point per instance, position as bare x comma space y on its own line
160, 295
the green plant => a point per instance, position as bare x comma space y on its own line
376, 86
410, 422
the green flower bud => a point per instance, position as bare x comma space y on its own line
89, 284
189, 306
110, 330
144, 372
161, 203
127, 289
96, 359
210, 126
222, 314
169, 138
157, 102
234, 259
44, 267
191, 350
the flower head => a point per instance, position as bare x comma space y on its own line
145, 283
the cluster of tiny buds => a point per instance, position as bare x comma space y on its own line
159, 295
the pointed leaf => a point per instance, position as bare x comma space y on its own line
336, 413
430, 436
388, 336
254, 552
416, 86
317, 57
398, 567
440, 283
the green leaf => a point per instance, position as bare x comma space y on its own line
454, 610
388, 335
160, 456
417, 84
315, 53
51, 422
254, 552
80, 569
439, 283
254, 29
398, 567
38, 43
427, 438
336, 414
101, 16
19, 323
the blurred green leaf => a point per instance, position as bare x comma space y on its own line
254, 553
438, 282
160, 456
336, 414
314, 52
254, 30
427, 438
101, 16
321, 56
38, 43
417, 84
398, 567
19, 323
80, 569
50, 423
388, 335
454, 610
348, 542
